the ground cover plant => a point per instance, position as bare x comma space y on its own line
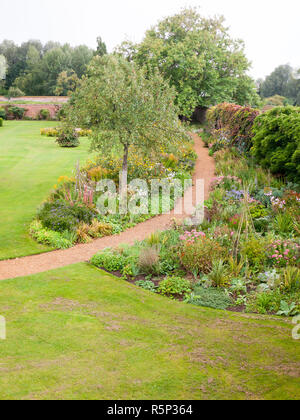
30, 167
80, 333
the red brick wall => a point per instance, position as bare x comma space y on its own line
33, 110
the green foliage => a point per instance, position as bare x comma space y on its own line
219, 275
210, 298
198, 257
276, 100
48, 237
277, 82
290, 277
67, 82
264, 302
276, 141
14, 92
147, 285
110, 261
3, 67
254, 250
174, 286
36, 69
44, 114
288, 310
199, 58
283, 223
132, 110
1, 122
60, 216
232, 123
68, 137
15, 112
2, 113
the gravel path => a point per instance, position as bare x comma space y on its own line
38, 263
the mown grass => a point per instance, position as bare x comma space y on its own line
79, 333
29, 167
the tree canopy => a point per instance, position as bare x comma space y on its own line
284, 81
125, 109
199, 59
37, 69
3, 67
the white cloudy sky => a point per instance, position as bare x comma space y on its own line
270, 28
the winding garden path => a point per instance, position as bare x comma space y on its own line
205, 169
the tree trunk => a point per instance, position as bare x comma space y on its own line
123, 181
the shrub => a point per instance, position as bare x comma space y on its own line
60, 216
219, 275
44, 114
210, 298
50, 132
97, 173
290, 277
264, 302
198, 257
174, 287
232, 124
2, 113
14, 92
284, 252
276, 141
49, 237
15, 112
147, 285
149, 260
254, 250
68, 137
110, 261
1, 122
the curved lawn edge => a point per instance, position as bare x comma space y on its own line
95, 335
204, 169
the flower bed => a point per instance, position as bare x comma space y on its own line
71, 212
245, 256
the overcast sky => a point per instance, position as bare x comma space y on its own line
270, 28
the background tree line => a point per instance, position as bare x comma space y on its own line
42, 70
195, 55
284, 81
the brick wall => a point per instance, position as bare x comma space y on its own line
33, 110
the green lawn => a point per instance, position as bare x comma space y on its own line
79, 333
29, 167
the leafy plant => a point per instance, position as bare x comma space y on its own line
210, 297
110, 261
219, 274
60, 216
68, 137
288, 310
147, 285
44, 114
48, 237
276, 141
291, 278
174, 286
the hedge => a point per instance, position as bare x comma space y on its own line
232, 123
276, 141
